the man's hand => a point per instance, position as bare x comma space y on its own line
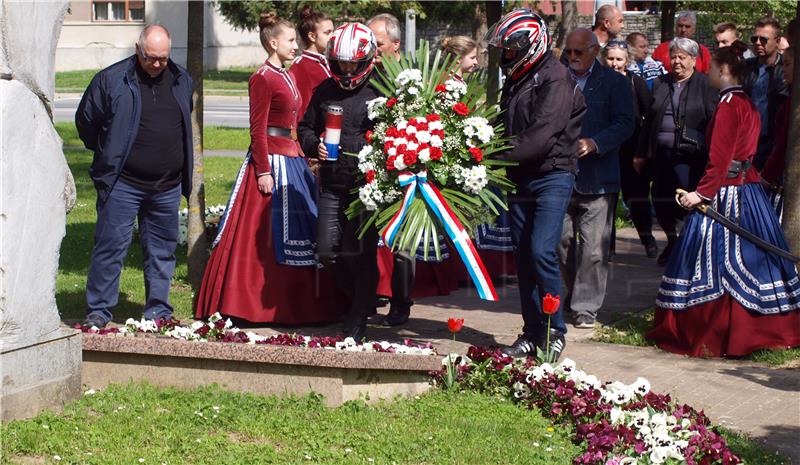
586, 147
322, 151
638, 164
691, 200
265, 184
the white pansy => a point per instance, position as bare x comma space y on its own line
641, 386
197, 325
617, 416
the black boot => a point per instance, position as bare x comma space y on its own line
650, 246
398, 314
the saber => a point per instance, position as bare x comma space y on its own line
737, 229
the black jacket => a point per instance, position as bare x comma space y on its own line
108, 121
696, 108
642, 100
339, 175
543, 113
777, 93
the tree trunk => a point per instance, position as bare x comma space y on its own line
479, 28
197, 253
494, 11
668, 8
791, 202
569, 21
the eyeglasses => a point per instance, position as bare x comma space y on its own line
761, 39
150, 60
617, 44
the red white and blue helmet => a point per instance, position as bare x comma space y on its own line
355, 43
524, 32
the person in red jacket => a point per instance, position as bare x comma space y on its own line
685, 27
262, 268
311, 67
722, 295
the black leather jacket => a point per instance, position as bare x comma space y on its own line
777, 93
339, 175
543, 113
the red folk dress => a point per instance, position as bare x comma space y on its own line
722, 295
308, 71
242, 278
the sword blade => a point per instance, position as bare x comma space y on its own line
744, 233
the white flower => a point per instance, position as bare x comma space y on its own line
659, 455
399, 163
424, 155
413, 91
473, 179
57, 458
412, 146
364, 153
374, 107
392, 151
617, 416
197, 325
411, 130
90, 392
641, 386
436, 141
421, 119
424, 136
409, 76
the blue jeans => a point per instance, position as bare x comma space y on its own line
158, 231
537, 216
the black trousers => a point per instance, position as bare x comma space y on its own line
402, 280
673, 172
351, 261
636, 194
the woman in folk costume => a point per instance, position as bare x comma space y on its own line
721, 294
773, 171
311, 67
262, 268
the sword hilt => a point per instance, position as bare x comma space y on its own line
679, 193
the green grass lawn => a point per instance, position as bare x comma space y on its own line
77, 245
215, 82
135, 424
630, 330
214, 137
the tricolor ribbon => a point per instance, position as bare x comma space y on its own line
455, 230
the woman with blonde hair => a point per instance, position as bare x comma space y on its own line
465, 52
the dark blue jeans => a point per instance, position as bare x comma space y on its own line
537, 215
158, 231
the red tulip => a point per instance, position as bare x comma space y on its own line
551, 304
455, 324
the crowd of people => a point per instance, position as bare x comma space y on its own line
600, 118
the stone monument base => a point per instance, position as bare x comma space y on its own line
39, 376
259, 369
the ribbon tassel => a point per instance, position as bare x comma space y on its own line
455, 230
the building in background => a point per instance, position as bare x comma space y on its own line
98, 33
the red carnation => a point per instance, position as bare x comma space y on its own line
370, 176
410, 158
390, 162
369, 136
441, 88
438, 132
392, 132
436, 153
391, 102
461, 108
455, 324
401, 149
387, 146
550, 304
477, 154
433, 117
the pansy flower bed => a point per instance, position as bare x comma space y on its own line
218, 329
616, 423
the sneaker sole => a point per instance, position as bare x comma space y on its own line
584, 325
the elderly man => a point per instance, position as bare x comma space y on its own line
608, 23
764, 83
642, 64
134, 116
387, 33
685, 27
608, 122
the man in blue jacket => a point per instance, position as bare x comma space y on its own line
134, 116
608, 122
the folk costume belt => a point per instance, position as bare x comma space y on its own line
289, 133
738, 167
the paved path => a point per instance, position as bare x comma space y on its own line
751, 398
